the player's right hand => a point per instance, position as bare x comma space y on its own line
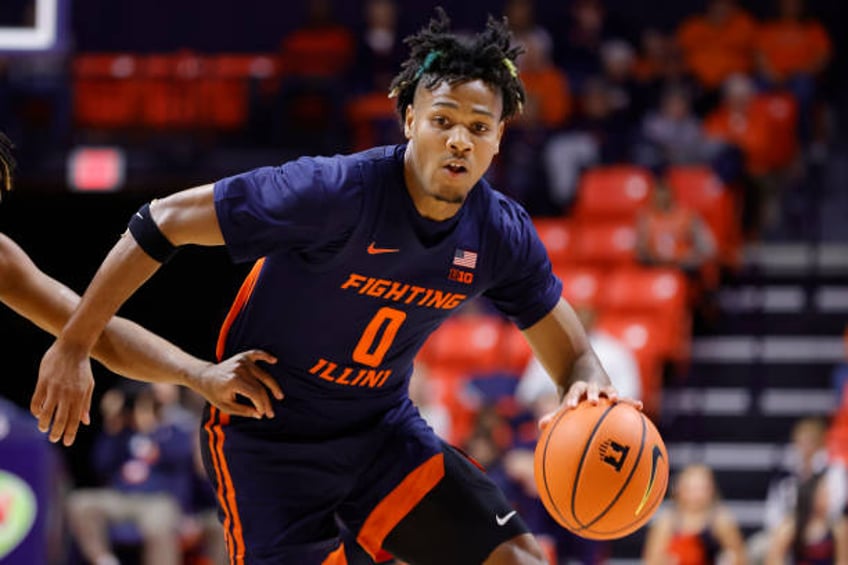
240, 375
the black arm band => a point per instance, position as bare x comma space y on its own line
148, 236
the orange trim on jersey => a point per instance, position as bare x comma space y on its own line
337, 557
241, 299
400, 502
233, 533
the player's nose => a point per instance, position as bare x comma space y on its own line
459, 140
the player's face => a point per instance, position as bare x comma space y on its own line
454, 132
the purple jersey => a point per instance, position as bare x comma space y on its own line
352, 280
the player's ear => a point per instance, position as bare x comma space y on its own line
408, 118
500, 132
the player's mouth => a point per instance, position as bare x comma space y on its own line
455, 168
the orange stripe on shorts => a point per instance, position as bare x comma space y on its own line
233, 533
400, 502
337, 557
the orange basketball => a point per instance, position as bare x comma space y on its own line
601, 470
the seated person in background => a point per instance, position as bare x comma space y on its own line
696, 529
718, 43
806, 457
812, 535
146, 466
792, 51
669, 235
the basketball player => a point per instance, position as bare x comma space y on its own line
358, 259
125, 347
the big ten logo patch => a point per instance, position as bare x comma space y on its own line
614, 454
461, 276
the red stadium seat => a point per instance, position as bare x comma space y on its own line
605, 245
613, 193
659, 293
106, 91
642, 335
698, 188
224, 88
557, 235
464, 345
581, 286
172, 90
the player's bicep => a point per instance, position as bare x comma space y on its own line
189, 217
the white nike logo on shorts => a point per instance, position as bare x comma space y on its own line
502, 520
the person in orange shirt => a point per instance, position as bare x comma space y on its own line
669, 235
792, 51
718, 43
548, 93
741, 122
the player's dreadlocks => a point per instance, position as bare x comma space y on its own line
438, 55
7, 163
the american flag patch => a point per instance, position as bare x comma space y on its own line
463, 258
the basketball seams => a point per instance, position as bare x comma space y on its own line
626, 482
646, 512
586, 447
550, 497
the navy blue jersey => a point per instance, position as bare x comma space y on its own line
351, 279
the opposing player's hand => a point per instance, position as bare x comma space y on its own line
588, 391
240, 375
63, 392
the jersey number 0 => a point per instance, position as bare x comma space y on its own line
374, 344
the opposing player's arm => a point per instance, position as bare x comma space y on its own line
655, 551
560, 343
186, 217
125, 347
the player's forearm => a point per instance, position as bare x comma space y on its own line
132, 351
560, 343
125, 269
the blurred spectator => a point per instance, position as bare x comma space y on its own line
536, 385
628, 97
792, 51
577, 46
812, 535
696, 529
718, 43
596, 135
316, 59
670, 235
548, 94
379, 50
521, 15
146, 467
806, 456
322, 47
672, 134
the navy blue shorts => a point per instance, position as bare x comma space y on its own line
393, 488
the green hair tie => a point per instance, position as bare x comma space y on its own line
425, 66
513, 70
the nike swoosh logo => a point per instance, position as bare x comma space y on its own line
656, 455
140, 217
378, 250
502, 520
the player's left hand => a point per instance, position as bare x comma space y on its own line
590, 392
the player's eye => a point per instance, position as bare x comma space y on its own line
480, 127
439, 121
